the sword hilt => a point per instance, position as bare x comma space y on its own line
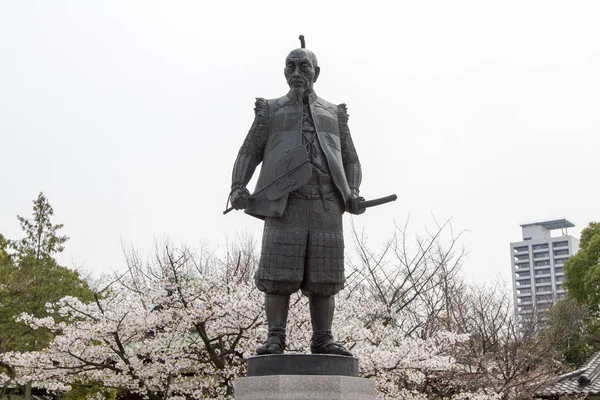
377, 202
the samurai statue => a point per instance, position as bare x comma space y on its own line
310, 176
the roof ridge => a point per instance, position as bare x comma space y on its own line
572, 374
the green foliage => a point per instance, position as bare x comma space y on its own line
570, 330
90, 391
582, 271
5, 266
3, 248
28, 286
578, 315
41, 240
31, 278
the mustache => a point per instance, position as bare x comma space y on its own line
296, 78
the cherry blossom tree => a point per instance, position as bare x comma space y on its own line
154, 352
181, 324
172, 333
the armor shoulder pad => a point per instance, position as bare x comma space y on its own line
261, 107
342, 113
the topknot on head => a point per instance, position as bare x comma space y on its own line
304, 50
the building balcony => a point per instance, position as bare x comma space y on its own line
540, 250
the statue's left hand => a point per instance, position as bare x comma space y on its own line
353, 206
240, 198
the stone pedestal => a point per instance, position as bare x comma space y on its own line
303, 377
304, 387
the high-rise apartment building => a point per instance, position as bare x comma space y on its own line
538, 268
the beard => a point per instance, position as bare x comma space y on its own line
297, 93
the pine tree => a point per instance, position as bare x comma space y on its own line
30, 277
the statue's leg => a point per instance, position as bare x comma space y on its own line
280, 270
321, 313
322, 306
276, 307
277, 301
324, 273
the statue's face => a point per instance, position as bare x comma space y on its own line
300, 71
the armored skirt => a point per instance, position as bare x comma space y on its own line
304, 249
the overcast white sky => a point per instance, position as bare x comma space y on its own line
128, 115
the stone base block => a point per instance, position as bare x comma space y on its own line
304, 387
302, 364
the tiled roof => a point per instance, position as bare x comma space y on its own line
584, 381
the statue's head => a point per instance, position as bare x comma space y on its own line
301, 69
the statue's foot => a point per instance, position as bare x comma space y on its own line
275, 344
331, 348
323, 343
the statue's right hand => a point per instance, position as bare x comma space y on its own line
240, 198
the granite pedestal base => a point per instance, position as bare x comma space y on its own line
303, 377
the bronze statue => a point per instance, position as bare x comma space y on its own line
310, 176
